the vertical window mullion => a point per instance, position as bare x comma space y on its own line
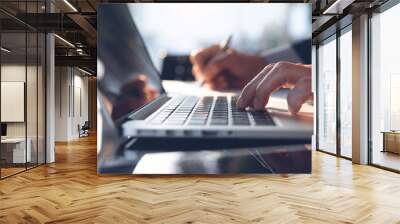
370, 154
26, 87
338, 76
0, 93
37, 89
317, 96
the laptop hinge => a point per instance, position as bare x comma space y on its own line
149, 109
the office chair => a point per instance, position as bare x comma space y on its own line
84, 130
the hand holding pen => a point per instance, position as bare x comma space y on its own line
221, 67
224, 46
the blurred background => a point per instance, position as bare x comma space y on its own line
177, 29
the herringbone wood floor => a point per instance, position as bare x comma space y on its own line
70, 191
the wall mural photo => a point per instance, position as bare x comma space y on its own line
213, 89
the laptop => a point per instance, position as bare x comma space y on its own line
142, 108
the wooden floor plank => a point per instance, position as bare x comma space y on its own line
70, 191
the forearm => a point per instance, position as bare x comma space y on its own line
299, 52
282, 54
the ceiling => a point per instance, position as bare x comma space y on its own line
76, 22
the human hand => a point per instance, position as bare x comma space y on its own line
228, 69
134, 94
282, 74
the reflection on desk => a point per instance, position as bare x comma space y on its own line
282, 159
257, 160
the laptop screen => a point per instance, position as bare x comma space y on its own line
126, 75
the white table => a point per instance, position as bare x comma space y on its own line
19, 153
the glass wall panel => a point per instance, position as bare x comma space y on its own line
385, 89
327, 96
41, 89
314, 84
32, 88
346, 93
31, 97
41, 98
22, 88
14, 153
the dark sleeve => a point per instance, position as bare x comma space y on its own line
303, 50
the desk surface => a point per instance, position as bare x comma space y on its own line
188, 156
279, 159
13, 140
390, 132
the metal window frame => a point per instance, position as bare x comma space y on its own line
44, 72
341, 27
386, 6
332, 37
340, 33
0, 95
381, 9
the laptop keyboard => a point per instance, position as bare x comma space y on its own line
210, 110
239, 116
202, 111
181, 114
262, 118
161, 117
220, 112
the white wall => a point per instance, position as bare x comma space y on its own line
33, 126
61, 103
15, 73
12, 73
70, 84
80, 100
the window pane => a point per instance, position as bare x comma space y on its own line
385, 84
41, 98
346, 94
22, 88
14, 153
31, 97
327, 96
32, 89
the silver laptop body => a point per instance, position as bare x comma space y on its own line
124, 58
212, 117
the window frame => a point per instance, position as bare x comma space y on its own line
345, 25
380, 9
27, 29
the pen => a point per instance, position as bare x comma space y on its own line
224, 46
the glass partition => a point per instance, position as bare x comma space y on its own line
41, 96
346, 93
32, 85
31, 97
22, 78
13, 94
327, 95
385, 89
